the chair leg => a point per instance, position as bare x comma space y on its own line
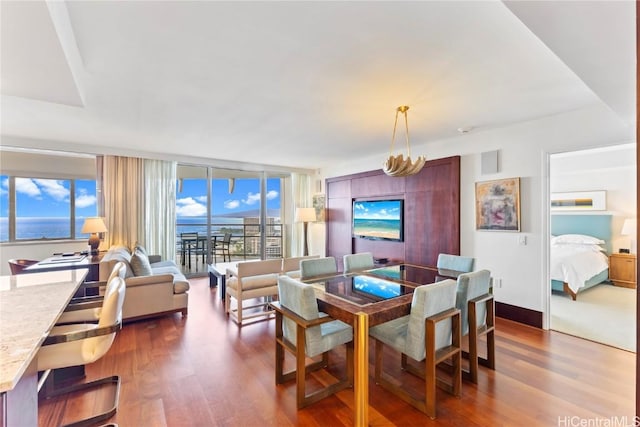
430, 370
113, 380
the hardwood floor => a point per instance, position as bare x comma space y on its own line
205, 371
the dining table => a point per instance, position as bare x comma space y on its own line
367, 298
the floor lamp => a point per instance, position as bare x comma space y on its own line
305, 216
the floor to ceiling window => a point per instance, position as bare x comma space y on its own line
227, 215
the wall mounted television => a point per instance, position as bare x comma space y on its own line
378, 219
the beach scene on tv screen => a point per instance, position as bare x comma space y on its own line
381, 219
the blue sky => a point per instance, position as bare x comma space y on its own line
192, 200
48, 198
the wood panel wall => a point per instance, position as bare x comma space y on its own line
431, 212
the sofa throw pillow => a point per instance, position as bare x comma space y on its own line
140, 248
140, 264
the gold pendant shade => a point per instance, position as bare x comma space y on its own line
397, 165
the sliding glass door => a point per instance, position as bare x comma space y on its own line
235, 215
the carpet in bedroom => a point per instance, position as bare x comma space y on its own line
604, 313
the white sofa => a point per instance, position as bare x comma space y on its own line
163, 291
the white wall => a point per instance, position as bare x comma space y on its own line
524, 150
612, 169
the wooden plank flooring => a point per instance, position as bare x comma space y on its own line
205, 371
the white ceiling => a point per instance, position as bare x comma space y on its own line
302, 84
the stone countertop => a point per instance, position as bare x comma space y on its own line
30, 304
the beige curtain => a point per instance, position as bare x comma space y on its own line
160, 208
301, 192
123, 192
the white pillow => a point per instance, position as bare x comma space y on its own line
580, 247
580, 239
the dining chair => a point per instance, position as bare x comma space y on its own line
477, 308
291, 266
358, 262
189, 243
83, 343
455, 262
429, 333
306, 332
222, 247
88, 309
17, 265
318, 267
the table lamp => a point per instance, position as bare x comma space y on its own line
94, 226
305, 215
629, 228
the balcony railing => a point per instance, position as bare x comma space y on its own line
245, 239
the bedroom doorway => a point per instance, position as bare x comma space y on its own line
584, 302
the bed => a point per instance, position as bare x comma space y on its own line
579, 248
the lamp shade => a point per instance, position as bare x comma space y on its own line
629, 228
305, 214
94, 225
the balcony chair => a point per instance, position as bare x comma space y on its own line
251, 280
430, 333
88, 309
222, 247
299, 321
476, 304
318, 267
17, 265
80, 344
455, 262
358, 262
189, 244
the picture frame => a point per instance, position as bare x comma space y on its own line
498, 205
318, 203
579, 201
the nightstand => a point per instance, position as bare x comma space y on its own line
622, 270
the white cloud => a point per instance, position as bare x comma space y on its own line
188, 206
85, 200
53, 188
272, 194
252, 198
27, 186
202, 199
231, 204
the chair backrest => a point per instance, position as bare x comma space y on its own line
17, 265
256, 268
119, 270
293, 263
470, 286
227, 238
110, 314
429, 300
455, 262
318, 267
301, 299
358, 262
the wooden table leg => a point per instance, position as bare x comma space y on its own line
361, 374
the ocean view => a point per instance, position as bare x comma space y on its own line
59, 228
379, 228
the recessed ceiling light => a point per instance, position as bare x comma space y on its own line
465, 129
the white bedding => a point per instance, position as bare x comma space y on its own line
575, 265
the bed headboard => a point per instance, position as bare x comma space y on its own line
592, 225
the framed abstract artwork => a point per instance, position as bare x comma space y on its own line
498, 205
579, 201
318, 203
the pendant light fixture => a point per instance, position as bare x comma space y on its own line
397, 165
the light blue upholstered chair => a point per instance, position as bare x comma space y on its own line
455, 262
318, 267
430, 333
298, 320
358, 262
477, 310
